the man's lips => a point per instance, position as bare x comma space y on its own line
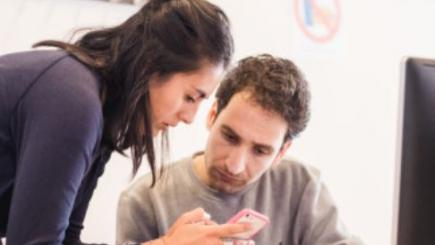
227, 177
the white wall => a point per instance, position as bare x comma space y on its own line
354, 81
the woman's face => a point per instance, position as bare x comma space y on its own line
177, 97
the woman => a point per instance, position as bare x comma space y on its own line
63, 112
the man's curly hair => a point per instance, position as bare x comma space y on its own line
275, 84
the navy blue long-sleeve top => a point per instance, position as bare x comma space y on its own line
51, 125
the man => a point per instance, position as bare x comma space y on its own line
261, 106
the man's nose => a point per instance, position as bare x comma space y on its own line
236, 161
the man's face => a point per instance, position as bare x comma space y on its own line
244, 141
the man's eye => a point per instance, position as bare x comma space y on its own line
189, 99
259, 151
230, 138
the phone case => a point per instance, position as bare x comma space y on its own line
256, 219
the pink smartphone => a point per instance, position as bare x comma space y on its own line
256, 219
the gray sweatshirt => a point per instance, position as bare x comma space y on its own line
292, 195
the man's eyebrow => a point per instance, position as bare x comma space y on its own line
229, 130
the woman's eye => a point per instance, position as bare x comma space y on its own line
189, 99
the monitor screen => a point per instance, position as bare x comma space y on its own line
415, 186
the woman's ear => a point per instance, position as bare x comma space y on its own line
212, 114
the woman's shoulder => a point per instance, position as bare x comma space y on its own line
72, 77
62, 88
30, 62
50, 71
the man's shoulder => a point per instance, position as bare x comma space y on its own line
293, 170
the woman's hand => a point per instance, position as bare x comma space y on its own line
196, 228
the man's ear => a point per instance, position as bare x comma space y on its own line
211, 116
282, 152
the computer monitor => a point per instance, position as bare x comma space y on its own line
414, 222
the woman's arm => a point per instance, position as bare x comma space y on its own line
196, 228
56, 133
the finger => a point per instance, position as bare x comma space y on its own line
228, 230
193, 216
210, 222
228, 242
239, 242
244, 242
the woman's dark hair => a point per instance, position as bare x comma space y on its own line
276, 84
164, 37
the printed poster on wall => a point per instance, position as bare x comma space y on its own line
318, 28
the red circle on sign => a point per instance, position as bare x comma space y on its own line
332, 28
